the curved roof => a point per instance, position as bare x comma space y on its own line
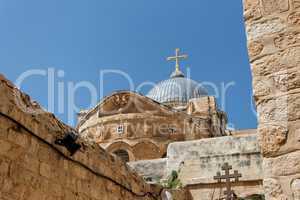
92, 111
177, 90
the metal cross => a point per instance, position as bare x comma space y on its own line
177, 57
229, 193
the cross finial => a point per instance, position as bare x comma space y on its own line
226, 167
177, 57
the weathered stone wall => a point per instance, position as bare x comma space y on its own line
152, 170
33, 167
200, 160
273, 31
206, 108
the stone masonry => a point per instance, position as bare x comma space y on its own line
273, 30
147, 126
199, 161
33, 167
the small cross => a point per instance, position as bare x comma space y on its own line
177, 57
227, 177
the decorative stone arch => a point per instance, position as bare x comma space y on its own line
123, 154
118, 149
146, 150
123, 100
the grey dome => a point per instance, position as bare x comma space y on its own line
177, 90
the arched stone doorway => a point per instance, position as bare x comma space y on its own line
121, 153
122, 150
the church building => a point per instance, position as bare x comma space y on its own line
176, 127
140, 127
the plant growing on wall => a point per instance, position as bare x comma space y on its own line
173, 181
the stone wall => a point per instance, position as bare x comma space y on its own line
152, 170
33, 166
206, 107
273, 31
200, 160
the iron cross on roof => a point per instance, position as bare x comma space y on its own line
226, 167
177, 57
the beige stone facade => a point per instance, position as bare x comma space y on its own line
147, 127
273, 30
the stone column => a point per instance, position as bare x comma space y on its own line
273, 32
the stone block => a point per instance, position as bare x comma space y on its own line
294, 19
19, 137
29, 162
255, 48
37, 195
78, 172
273, 110
276, 139
70, 181
84, 186
257, 30
279, 62
276, 84
271, 138
287, 39
22, 176
4, 168
284, 165
285, 81
279, 110
296, 4
47, 154
295, 186
275, 6
33, 147
5, 147
10, 150
15, 191
45, 170
7, 185
273, 190
252, 9
56, 189
202, 106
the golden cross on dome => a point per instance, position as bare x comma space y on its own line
177, 57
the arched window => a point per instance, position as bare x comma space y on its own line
122, 154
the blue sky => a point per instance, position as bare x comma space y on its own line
83, 37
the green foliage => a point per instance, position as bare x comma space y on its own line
173, 182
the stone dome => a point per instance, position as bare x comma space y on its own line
177, 90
